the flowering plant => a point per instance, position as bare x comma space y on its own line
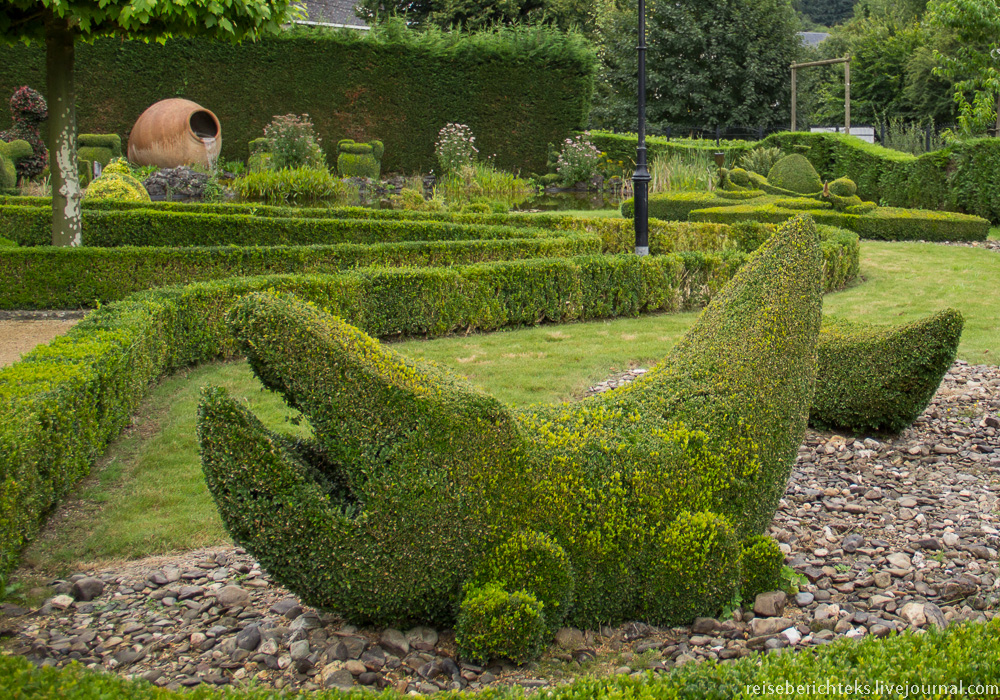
455, 147
293, 143
578, 161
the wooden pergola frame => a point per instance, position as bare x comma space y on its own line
846, 60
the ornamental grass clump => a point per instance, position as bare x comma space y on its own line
635, 504
578, 160
455, 147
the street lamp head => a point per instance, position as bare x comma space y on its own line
720, 158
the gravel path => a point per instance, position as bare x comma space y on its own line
19, 336
887, 533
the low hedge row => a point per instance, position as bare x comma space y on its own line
64, 401
881, 378
31, 226
960, 662
884, 223
66, 278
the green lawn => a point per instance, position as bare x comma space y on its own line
148, 495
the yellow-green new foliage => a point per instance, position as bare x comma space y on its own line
881, 378
116, 182
762, 562
415, 479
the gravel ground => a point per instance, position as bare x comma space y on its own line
887, 533
18, 336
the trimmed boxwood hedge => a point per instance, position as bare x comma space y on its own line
31, 226
67, 278
63, 402
881, 378
649, 489
884, 223
964, 654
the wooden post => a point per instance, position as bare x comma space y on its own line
847, 96
794, 69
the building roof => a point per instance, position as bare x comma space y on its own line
813, 38
337, 12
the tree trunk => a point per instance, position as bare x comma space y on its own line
65, 179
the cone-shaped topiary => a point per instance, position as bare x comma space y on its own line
881, 377
416, 483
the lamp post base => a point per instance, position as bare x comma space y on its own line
642, 250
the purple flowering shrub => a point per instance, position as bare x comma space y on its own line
578, 161
455, 147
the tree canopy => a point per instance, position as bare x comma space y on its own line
708, 64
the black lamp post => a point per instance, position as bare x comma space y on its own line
641, 178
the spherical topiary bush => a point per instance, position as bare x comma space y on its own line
740, 177
694, 568
761, 566
495, 624
533, 562
796, 174
843, 187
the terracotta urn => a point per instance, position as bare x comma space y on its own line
175, 132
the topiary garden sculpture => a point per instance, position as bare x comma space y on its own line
28, 110
422, 498
360, 159
10, 154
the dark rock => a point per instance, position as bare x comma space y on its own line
248, 638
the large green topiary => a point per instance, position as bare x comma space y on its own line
881, 377
359, 159
415, 479
796, 174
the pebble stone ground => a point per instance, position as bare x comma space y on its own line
885, 533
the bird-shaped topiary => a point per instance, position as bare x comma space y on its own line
422, 498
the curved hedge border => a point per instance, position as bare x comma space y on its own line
964, 655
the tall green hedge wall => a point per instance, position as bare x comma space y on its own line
519, 89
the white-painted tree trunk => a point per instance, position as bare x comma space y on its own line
64, 177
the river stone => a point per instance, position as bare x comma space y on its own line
86, 589
766, 626
394, 642
899, 560
248, 638
770, 604
299, 650
336, 676
232, 597
570, 638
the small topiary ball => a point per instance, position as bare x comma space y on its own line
843, 187
740, 177
493, 623
475, 208
694, 569
762, 562
535, 563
